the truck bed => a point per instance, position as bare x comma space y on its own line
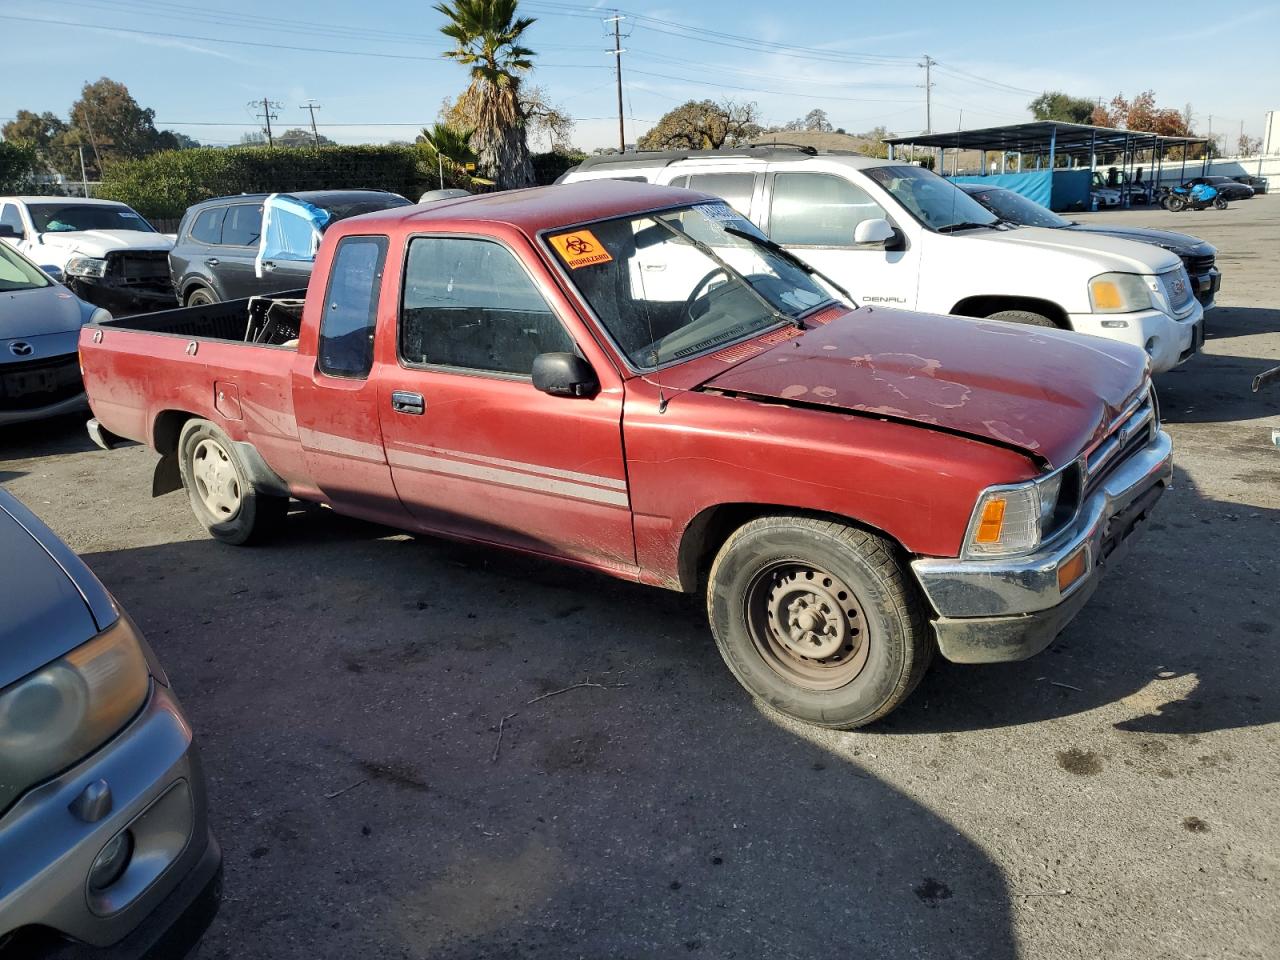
229, 362
271, 320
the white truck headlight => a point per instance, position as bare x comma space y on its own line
85, 267
1120, 292
64, 711
1016, 518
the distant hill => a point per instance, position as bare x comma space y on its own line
819, 141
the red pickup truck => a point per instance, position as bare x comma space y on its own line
635, 379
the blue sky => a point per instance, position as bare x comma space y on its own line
856, 61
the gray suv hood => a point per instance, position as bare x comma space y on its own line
45, 612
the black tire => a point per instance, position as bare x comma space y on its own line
881, 651
222, 497
201, 297
1220, 203
1027, 317
1175, 204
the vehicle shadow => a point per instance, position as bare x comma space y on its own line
400, 758
41, 438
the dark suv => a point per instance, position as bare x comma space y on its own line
216, 254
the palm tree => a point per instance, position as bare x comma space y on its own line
486, 34
449, 148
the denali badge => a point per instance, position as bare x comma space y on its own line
20, 348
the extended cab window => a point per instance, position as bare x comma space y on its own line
818, 210
208, 226
469, 304
243, 225
351, 307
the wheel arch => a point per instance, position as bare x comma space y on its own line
986, 304
707, 532
167, 430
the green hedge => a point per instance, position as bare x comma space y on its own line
164, 184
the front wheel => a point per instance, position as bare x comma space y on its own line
1175, 203
818, 620
1027, 317
201, 297
222, 497
1220, 203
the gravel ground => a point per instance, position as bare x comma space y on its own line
1115, 796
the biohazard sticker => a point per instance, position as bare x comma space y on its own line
580, 249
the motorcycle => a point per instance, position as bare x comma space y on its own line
1198, 197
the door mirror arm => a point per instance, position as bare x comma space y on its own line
564, 375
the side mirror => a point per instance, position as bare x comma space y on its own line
872, 232
564, 375
9, 232
55, 273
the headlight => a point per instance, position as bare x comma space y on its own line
1119, 293
99, 316
1016, 518
85, 267
61, 713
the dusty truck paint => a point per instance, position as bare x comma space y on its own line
819, 471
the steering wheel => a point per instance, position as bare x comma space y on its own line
697, 289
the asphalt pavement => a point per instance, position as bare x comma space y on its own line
422, 750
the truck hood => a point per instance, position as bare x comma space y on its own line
98, 243
36, 313
1101, 253
1047, 393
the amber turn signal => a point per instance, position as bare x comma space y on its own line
991, 523
1072, 569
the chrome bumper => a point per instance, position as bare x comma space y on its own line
996, 610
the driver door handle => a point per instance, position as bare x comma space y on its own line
405, 401
268, 266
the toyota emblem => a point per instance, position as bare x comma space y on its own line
20, 348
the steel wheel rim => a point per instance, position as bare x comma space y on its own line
216, 480
807, 624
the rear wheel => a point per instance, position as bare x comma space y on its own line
818, 620
201, 297
222, 497
1175, 203
1220, 202
1028, 317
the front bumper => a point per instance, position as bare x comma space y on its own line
997, 610
70, 405
1173, 340
168, 893
1206, 286
122, 298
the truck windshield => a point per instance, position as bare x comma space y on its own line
65, 217
16, 273
937, 203
671, 285
1015, 208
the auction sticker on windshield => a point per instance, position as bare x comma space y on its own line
580, 249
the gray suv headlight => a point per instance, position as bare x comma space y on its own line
64, 711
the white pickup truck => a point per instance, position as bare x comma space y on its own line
897, 235
103, 250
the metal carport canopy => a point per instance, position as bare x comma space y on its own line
1041, 136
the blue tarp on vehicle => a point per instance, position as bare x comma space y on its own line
1058, 190
290, 230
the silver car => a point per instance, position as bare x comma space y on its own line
40, 323
105, 847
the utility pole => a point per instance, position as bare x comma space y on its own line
267, 115
312, 106
84, 177
97, 157
928, 65
617, 52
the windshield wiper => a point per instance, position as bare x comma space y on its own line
774, 247
705, 249
967, 225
